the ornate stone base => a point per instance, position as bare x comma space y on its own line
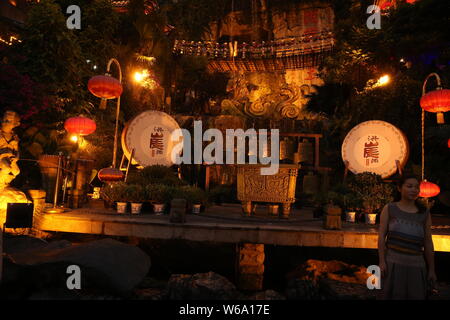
277, 188
250, 266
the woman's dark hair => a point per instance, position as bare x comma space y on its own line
401, 181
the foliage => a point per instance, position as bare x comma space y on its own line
192, 17
20, 93
192, 194
223, 194
156, 174
370, 189
136, 193
115, 192
55, 56
160, 193
408, 46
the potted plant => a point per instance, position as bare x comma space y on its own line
116, 192
159, 195
223, 194
351, 202
195, 196
156, 174
136, 195
372, 193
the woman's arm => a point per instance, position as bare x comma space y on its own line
382, 231
429, 249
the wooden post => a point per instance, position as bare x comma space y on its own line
207, 177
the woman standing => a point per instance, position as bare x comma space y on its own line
405, 247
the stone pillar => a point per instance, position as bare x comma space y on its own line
250, 266
178, 211
38, 197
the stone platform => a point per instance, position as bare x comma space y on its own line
225, 224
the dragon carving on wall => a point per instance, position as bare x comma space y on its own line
279, 103
276, 105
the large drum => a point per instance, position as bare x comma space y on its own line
375, 146
149, 134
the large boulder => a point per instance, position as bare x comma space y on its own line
315, 270
201, 286
267, 295
106, 265
329, 280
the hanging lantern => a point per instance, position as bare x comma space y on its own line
80, 126
105, 87
436, 101
448, 143
428, 189
110, 175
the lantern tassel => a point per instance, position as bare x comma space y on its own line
440, 118
103, 104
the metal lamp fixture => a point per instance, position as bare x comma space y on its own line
107, 87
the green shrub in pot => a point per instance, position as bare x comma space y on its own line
114, 192
195, 197
372, 193
136, 194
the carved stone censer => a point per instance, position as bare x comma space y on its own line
277, 188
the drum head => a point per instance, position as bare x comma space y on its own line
374, 146
149, 134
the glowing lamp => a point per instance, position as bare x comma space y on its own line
428, 189
80, 126
448, 143
110, 175
436, 101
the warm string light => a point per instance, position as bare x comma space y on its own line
11, 41
305, 44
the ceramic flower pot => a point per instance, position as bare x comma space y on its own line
136, 208
121, 207
158, 208
371, 218
196, 208
350, 216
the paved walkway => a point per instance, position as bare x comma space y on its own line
227, 225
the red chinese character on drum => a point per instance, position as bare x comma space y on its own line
371, 151
157, 141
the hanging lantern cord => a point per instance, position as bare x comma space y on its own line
423, 117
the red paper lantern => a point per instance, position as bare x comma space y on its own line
428, 189
80, 126
110, 175
448, 143
105, 87
436, 101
